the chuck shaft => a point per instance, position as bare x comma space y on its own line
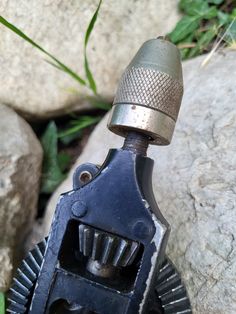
149, 94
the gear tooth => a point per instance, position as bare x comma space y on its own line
38, 254
171, 295
81, 237
28, 270
166, 271
108, 249
33, 263
17, 307
133, 252
42, 245
97, 245
11, 311
17, 285
17, 296
189, 311
105, 247
87, 241
171, 291
169, 284
121, 249
24, 279
176, 306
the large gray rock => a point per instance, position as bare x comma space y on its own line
194, 183
37, 89
20, 166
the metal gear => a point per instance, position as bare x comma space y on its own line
23, 284
170, 294
105, 247
170, 290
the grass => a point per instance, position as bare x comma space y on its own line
202, 26
55, 163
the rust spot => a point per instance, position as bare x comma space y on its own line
133, 107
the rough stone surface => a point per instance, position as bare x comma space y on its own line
20, 166
194, 183
37, 89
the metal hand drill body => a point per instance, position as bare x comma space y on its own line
106, 249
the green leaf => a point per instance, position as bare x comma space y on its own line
102, 105
92, 83
198, 8
2, 303
217, 2
63, 160
185, 4
233, 14
224, 18
202, 43
195, 7
57, 63
184, 53
52, 175
67, 139
78, 125
99, 102
210, 13
184, 27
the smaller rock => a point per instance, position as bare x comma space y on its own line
20, 169
5, 266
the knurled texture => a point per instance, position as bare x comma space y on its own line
150, 88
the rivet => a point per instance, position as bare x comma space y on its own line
79, 209
140, 229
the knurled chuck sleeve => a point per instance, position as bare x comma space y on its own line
149, 93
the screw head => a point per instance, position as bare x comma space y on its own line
79, 209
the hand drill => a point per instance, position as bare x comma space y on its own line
105, 252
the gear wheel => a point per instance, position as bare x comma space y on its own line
23, 284
170, 293
105, 247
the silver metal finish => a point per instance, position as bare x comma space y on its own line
149, 94
85, 177
158, 126
101, 270
106, 248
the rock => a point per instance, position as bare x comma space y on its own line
194, 183
5, 267
38, 90
20, 166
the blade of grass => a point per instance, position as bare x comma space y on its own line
55, 62
78, 125
99, 102
91, 81
209, 56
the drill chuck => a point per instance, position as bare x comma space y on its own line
149, 93
106, 248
